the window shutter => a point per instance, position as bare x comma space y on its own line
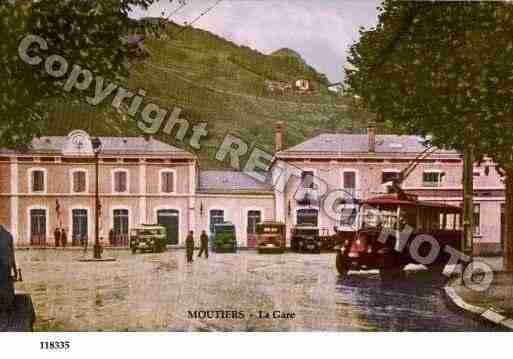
171, 182
79, 182
83, 181
124, 181
120, 180
167, 182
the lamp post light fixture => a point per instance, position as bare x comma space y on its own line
97, 148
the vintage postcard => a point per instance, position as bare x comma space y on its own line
255, 166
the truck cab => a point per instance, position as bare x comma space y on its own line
225, 238
148, 238
271, 237
305, 239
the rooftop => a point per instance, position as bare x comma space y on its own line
79, 143
350, 143
229, 181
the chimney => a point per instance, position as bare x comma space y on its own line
371, 133
279, 136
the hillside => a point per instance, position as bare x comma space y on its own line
219, 82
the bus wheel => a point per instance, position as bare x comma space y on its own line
341, 264
437, 269
391, 273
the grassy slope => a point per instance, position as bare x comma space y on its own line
218, 82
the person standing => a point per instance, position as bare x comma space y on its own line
64, 238
57, 237
8, 271
189, 247
204, 244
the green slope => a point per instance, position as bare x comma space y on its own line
219, 82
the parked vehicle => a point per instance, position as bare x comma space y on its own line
148, 238
330, 243
271, 237
225, 238
305, 239
393, 213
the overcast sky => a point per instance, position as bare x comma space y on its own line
320, 30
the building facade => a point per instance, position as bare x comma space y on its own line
143, 181
361, 165
53, 185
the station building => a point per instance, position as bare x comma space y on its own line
52, 185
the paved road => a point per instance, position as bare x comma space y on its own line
154, 292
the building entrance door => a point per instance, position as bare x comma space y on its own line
169, 218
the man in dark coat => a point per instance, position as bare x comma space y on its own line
64, 238
8, 272
189, 246
57, 237
204, 244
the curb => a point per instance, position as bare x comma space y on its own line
489, 314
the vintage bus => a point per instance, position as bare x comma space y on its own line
388, 225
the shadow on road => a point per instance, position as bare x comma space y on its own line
414, 302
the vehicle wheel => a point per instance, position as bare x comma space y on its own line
437, 269
134, 250
341, 265
391, 273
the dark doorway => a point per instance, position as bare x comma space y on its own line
38, 227
80, 226
169, 218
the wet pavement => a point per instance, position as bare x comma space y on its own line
155, 292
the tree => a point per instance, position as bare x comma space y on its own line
443, 69
85, 32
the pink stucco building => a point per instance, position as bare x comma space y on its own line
142, 180
361, 164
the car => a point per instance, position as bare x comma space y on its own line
271, 237
148, 238
305, 239
225, 238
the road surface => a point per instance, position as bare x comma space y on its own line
160, 292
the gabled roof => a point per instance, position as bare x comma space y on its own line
230, 181
350, 143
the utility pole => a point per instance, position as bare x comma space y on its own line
507, 251
467, 245
97, 249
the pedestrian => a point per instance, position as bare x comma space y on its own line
64, 238
84, 241
189, 245
204, 244
8, 271
111, 237
57, 237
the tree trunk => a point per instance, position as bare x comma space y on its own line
508, 237
468, 201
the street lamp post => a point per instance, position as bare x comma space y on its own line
97, 147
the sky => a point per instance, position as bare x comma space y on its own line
320, 30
